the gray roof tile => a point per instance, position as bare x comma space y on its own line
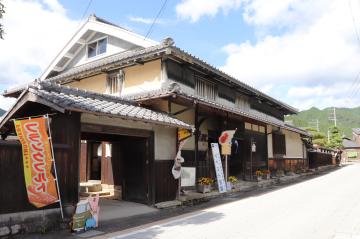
251, 114
85, 101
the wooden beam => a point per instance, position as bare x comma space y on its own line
183, 110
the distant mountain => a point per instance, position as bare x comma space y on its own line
347, 118
2, 112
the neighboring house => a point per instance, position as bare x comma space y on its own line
356, 135
351, 147
145, 91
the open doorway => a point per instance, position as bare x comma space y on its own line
116, 166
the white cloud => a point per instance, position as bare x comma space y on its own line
147, 21
312, 62
195, 9
35, 31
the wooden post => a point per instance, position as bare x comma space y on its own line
196, 137
251, 159
53, 159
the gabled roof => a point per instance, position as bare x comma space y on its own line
92, 26
348, 143
63, 99
137, 56
175, 89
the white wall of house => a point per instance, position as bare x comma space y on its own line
164, 137
269, 140
114, 45
295, 147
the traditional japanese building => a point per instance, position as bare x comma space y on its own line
117, 100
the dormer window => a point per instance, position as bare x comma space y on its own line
97, 47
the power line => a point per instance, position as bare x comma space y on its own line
355, 86
155, 19
354, 22
86, 9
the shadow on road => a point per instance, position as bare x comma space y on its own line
201, 219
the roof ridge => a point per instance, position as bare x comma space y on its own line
49, 86
111, 59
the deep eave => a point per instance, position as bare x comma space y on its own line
165, 49
64, 99
158, 94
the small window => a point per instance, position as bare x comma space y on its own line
115, 83
97, 47
205, 89
279, 145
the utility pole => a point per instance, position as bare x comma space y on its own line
333, 116
314, 124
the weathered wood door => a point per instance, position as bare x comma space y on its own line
136, 171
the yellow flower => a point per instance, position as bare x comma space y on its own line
232, 179
205, 181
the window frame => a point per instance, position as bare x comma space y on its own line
97, 47
279, 144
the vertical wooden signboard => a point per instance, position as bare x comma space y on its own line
218, 167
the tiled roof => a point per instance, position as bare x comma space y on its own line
166, 47
73, 99
347, 143
252, 114
106, 61
356, 131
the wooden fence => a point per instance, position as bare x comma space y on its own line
317, 159
287, 164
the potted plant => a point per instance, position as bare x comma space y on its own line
259, 175
204, 184
266, 174
232, 180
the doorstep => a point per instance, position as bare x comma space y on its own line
194, 197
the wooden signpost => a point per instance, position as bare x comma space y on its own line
218, 167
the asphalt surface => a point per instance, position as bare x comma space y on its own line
323, 206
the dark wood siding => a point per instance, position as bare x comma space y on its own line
279, 144
106, 168
288, 164
317, 159
180, 73
165, 184
83, 162
65, 132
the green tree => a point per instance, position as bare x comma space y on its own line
318, 137
335, 140
2, 11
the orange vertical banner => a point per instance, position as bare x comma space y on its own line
37, 160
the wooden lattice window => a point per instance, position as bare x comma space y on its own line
205, 89
279, 144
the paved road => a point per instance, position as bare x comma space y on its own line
323, 207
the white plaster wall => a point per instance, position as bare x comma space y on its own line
165, 137
165, 143
294, 144
269, 140
114, 45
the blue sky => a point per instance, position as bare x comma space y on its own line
204, 38
303, 52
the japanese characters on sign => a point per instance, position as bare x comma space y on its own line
37, 161
218, 167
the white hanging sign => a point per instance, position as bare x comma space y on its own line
218, 167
